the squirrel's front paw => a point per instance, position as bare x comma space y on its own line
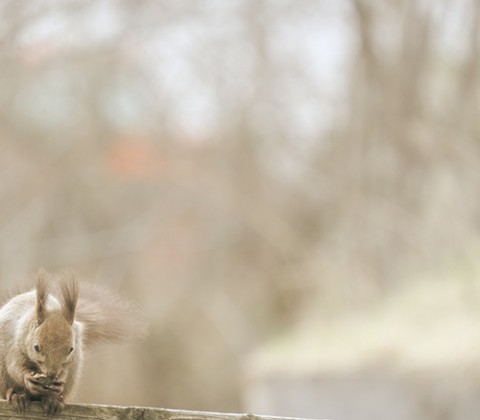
19, 399
53, 405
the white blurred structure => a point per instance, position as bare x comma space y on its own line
414, 357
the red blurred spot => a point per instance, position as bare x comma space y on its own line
134, 157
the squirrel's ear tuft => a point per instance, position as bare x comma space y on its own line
69, 295
41, 287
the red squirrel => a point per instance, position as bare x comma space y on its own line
43, 335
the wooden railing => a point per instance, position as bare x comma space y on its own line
104, 412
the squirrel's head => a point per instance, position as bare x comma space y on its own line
51, 342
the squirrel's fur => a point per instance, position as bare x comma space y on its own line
44, 332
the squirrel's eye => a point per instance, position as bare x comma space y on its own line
71, 349
36, 347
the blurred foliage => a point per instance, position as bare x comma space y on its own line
231, 165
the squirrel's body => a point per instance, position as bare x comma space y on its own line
17, 318
43, 334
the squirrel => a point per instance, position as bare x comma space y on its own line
44, 333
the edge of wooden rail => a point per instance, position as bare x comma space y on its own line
104, 412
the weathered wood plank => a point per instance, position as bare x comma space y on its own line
108, 412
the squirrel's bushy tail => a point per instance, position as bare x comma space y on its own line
107, 317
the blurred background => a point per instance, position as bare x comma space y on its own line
288, 189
